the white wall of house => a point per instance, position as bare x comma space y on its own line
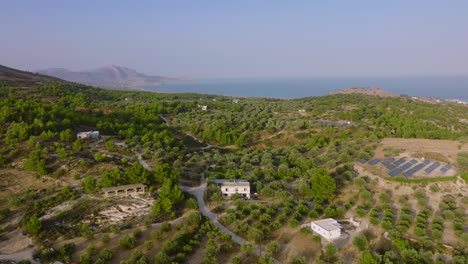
327, 234
228, 191
88, 134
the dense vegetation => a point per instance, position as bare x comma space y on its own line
299, 170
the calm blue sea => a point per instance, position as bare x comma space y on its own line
440, 87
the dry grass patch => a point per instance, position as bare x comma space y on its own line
445, 148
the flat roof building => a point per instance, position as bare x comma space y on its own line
124, 190
230, 188
327, 228
88, 134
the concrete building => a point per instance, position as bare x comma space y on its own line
88, 134
203, 107
229, 188
327, 228
124, 190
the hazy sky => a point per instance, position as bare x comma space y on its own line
235, 39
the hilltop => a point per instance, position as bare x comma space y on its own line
364, 90
22, 78
109, 76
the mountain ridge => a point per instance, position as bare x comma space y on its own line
364, 90
109, 76
13, 76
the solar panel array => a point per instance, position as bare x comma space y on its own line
373, 162
432, 167
399, 162
446, 168
406, 166
387, 161
413, 170
394, 168
395, 172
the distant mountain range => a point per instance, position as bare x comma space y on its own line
12, 76
364, 90
109, 76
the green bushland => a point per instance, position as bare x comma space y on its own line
437, 179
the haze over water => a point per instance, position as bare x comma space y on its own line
440, 87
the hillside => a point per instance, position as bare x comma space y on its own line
109, 76
364, 90
12, 76
302, 160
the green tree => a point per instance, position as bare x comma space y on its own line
330, 251
89, 183
360, 242
127, 242
273, 247
368, 258
323, 185
77, 145
34, 225
66, 135
106, 254
169, 194
298, 260
36, 163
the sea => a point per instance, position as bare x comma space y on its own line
452, 87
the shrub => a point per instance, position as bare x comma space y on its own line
293, 223
314, 214
165, 226
273, 247
127, 242
105, 238
106, 254
34, 225
192, 203
360, 242
425, 180
194, 218
434, 188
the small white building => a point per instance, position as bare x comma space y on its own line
327, 228
88, 134
229, 188
203, 107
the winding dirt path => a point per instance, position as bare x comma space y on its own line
269, 137
26, 254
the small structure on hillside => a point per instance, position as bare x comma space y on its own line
124, 190
229, 188
88, 135
203, 107
328, 228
